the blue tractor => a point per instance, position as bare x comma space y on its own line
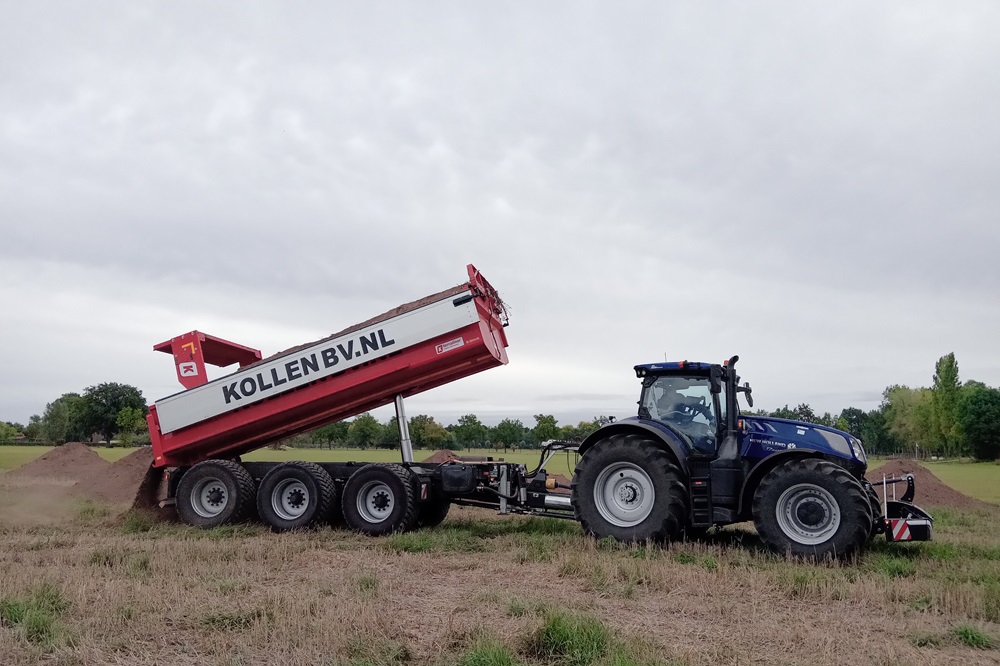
689, 460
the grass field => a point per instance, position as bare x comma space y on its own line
483, 590
980, 480
93, 587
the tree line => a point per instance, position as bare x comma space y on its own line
365, 431
949, 418
111, 412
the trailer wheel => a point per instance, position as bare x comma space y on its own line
812, 508
295, 495
380, 499
215, 492
432, 512
628, 488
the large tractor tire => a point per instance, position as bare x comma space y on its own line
380, 499
215, 492
295, 495
812, 508
628, 488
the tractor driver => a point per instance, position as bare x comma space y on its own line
681, 406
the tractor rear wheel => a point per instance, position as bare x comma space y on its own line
812, 508
215, 492
295, 495
380, 499
628, 488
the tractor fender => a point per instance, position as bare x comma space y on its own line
670, 442
766, 465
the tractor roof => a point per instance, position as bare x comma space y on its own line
672, 368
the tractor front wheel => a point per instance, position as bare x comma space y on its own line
812, 508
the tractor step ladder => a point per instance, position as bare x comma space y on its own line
701, 500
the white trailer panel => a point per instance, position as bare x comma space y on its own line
328, 357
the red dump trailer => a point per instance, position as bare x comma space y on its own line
199, 434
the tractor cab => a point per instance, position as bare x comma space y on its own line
696, 401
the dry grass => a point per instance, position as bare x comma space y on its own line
484, 591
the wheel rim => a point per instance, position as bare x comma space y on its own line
808, 514
290, 499
375, 501
209, 497
624, 494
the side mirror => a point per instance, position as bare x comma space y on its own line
749, 391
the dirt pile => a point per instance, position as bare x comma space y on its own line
71, 461
440, 456
930, 490
120, 481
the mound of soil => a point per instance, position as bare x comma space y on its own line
71, 461
444, 455
440, 456
119, 483
930, 490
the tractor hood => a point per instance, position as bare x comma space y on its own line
766, 435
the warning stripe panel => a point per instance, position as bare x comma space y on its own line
900, 530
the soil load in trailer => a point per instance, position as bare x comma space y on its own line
410, 349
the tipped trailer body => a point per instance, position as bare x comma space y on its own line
415, 347
687, 461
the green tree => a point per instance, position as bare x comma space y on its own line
583, 429
33, 431
62, 420
508, 433
978, 420
364, 431
852, 420
332, 434
8, 432
102, 403
545, 428
876, 435
945, 403
910, 416
130, 422
389, 437
470, 432
785, 413
426, 433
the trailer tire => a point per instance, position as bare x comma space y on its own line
380, 499
295, 495
432, 512
628, 488
812, 508
215, 492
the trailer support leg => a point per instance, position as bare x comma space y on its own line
404, 431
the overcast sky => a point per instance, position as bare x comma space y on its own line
812, 186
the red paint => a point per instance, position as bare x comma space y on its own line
193, 350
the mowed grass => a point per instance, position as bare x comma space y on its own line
486, 590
